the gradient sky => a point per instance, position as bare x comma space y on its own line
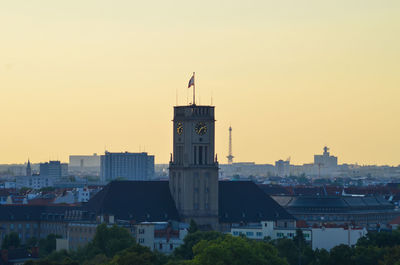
77, 77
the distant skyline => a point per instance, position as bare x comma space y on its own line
79, 77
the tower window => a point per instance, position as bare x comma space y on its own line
195, 154
200, 155
205, 155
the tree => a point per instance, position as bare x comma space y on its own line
185, 251
320, 257
11, 241
370, 255
229, 250
32, 242
392, 256
48, 244
380, 239
109, 241
287, 249
342, 255
136, 255
193, 227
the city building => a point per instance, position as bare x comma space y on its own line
268, 229
163, 237
325, 160
318, 237
193, 169
366, 211
282, 168
84, 164
330, 237
192, 192
34, 182
129, 166
54, 169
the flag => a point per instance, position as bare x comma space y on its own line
191, 81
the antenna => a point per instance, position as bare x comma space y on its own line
230, 156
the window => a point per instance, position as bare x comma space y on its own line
195, 155
141, 231
171, 247
200, 155
27, 226
19, 226
259, 234
12, 226
235, 233
160, 247
141, 240
205, 155
249, 233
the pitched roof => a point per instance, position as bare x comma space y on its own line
244, 201
31, 212
135, 200
152, 201
239, 201
368, 202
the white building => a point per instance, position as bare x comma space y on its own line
328, 238
84, 164
34, 182
325, 160
83, 194
322, 237
161, 236
267, 229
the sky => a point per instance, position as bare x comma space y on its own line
81, 77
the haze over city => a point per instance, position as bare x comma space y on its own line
79, 77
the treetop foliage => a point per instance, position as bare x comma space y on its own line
114, 245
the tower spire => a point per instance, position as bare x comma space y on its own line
28, 169
230, 156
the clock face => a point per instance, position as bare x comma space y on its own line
179, 128
201, 128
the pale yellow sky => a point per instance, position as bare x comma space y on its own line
77, 77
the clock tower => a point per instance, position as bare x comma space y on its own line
193, 169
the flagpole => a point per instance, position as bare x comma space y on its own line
194, 90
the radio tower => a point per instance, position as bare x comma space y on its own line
230, 156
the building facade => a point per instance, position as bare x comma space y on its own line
54, 169
325, 160
130, 166
320, 237
84, 164
34, 182
193, 167
366, 211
